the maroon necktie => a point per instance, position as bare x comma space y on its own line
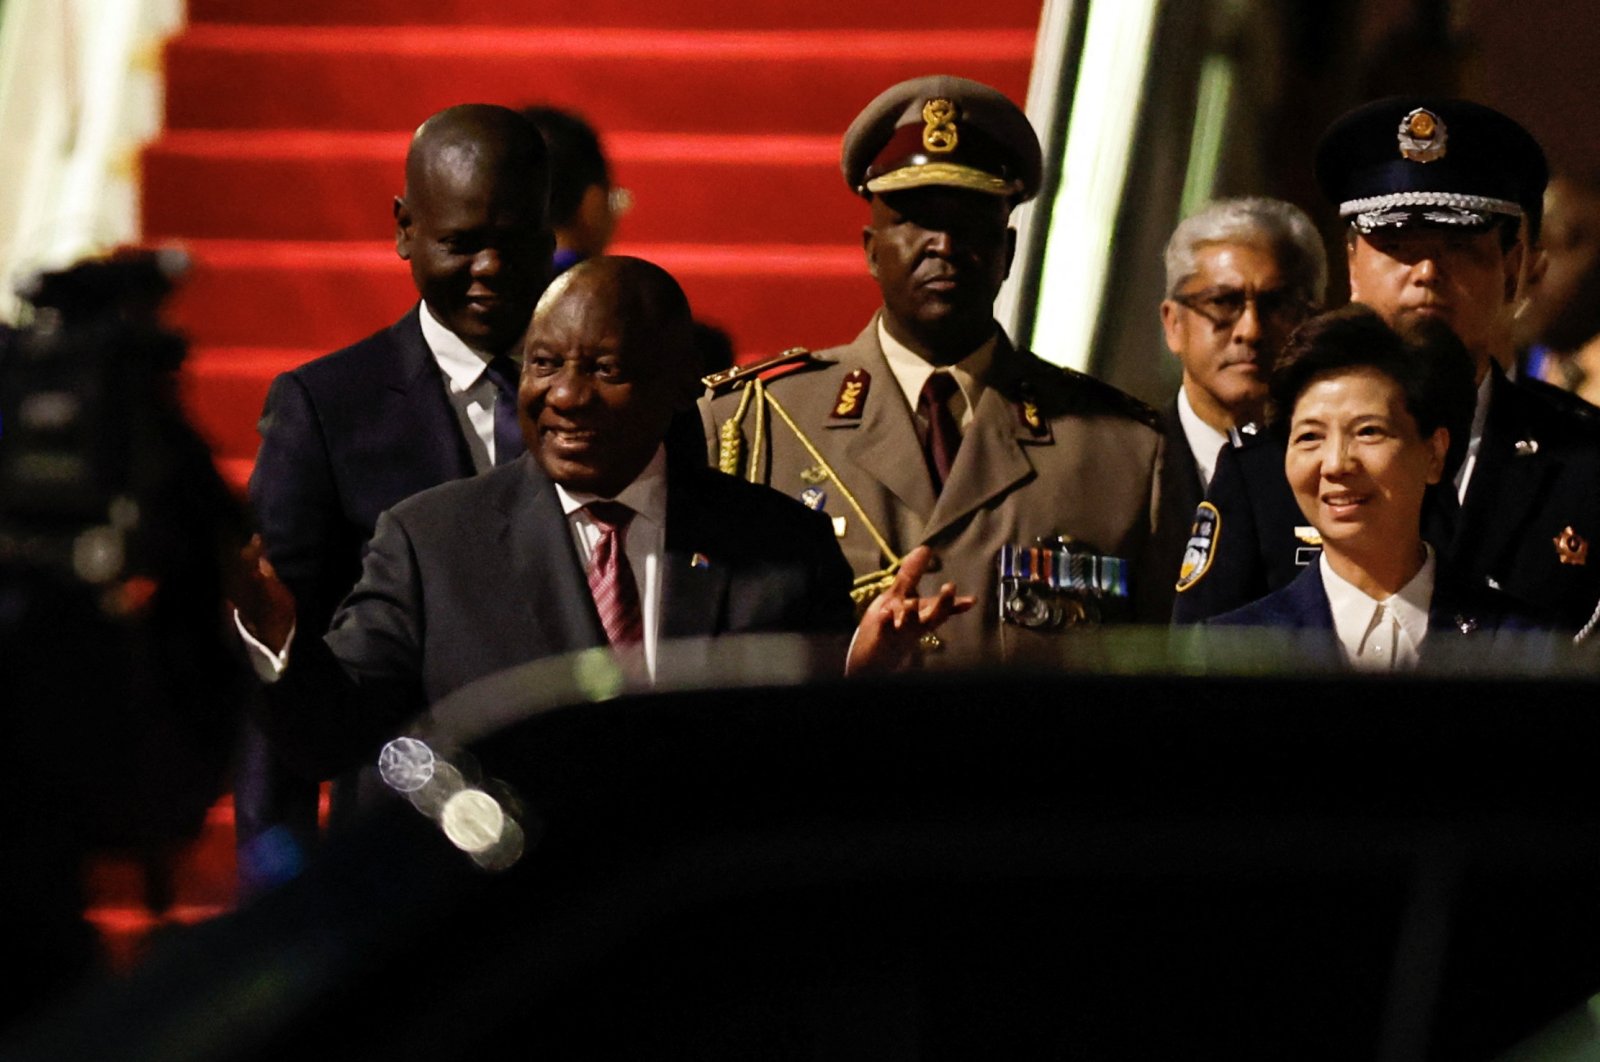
941, 435
616, 595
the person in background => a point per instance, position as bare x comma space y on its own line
1241, 274
1559, 321
428, 399
1434, 193
584, 205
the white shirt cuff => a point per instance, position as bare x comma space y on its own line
268, 665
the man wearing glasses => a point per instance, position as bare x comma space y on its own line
1241, 274
1435, 194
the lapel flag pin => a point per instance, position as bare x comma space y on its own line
699, 560
1527, 447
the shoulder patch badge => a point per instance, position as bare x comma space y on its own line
852, 395
1202, 546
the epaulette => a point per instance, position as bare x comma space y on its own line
1117, 399
785, 363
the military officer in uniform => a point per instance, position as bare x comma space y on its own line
930, 427
1434, 193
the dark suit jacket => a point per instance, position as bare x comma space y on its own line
343, 438
1537, 474
1457, 610
1181, 492
478, 575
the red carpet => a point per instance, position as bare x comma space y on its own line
287, 122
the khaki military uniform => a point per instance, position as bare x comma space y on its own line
1047, 452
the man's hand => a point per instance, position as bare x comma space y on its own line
264, 604
887, 636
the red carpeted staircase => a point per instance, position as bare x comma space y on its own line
287, 121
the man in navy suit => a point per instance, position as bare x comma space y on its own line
475, 576
426, 400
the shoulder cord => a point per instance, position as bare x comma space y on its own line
867, 586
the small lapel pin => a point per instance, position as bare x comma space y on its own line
814, 474
699, 560
1571, 547
814, 498
1527, 447
1466, 624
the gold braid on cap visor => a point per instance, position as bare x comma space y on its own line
947, 174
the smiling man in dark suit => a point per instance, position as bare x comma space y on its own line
599, 537
426, 400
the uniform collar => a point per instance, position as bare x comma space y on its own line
911, 370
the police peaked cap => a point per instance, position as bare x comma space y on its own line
1431, 160
946, 131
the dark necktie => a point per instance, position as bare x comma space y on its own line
616, 595
941, 435
502, 371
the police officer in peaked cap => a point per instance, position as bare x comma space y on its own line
1437, 196
930, 427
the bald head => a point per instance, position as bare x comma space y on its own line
609, 360
473, 222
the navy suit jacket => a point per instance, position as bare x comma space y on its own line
1456, 611
478, 575
344, 438
1537, 474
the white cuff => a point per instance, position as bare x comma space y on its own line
268, 665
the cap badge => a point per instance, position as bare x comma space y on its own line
939, 134
1571, 547
852, 395
1423, 136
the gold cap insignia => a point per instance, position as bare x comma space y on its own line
940, 133
852, 395
1571, 547
1422, 136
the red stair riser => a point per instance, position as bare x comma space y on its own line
705, 14
765, 304
766, 199
394, 88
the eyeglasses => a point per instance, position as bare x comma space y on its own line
1224, 306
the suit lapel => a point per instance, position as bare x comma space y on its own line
694, 586
546, 580
1506, 479
883, 443
424, 422
991, 460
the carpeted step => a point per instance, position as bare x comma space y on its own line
709, 14
246, 293
389, 78
292, 185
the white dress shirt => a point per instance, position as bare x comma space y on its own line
1205, 442
643, 543
911, 371
472, 394
1382, 635
1480, 413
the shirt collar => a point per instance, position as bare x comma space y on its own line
1204, 440
911, 370
646, 495
462, 365
1352, 609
